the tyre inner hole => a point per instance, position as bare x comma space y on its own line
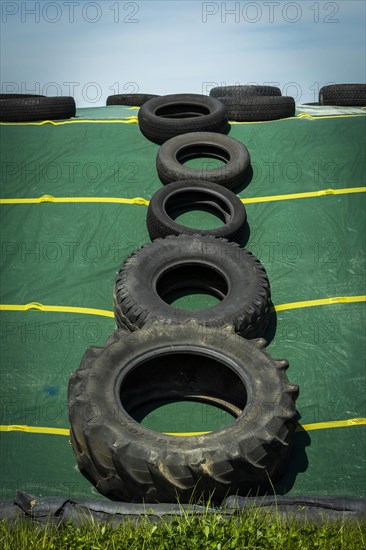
182, 110
192, 287
198, 210
183, 392
203, 156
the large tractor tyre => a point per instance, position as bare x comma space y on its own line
128, 462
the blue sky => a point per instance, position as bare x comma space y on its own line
93, 49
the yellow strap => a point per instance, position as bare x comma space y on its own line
129, 120
50, 198
307, 427
333, 424
134, 120
145, 202
105, 313
35, 430
58, 309
308, 115
321, 302
307, 195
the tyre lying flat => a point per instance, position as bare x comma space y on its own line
192, 194
33, 108
244, 91
343, 94
129, 99
175, 152
158, 273
252, 109
164, 117
126, 461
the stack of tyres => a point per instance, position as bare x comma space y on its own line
162, 353
254, 103
351, 95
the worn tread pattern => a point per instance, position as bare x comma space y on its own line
28, 109
251, 109
343, 95
249, 316
130, 463
243, 91
19, 96
135, 100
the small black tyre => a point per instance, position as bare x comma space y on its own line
173, 153
135, 100
29, 109
252, 109
343, 95
159, 272
167, 116
244, 91
191, 194
128, 462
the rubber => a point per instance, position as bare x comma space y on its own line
343, 94
171, 155
126, 461
80, 512
167, 116
244, 91
250, 109
18, 96
29, 109
190, 194
156, 273
135, 100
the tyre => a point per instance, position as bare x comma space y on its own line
18, 96
135, 100
167, 116
189, 195
343, 94
167, 269
176, 151
249, 109
128, 462
29, 109
244, 91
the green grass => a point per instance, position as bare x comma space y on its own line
249, 530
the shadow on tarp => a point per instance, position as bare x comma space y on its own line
270, 331
298, 462
245, 235
247, 178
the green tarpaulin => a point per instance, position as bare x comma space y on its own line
67, 254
